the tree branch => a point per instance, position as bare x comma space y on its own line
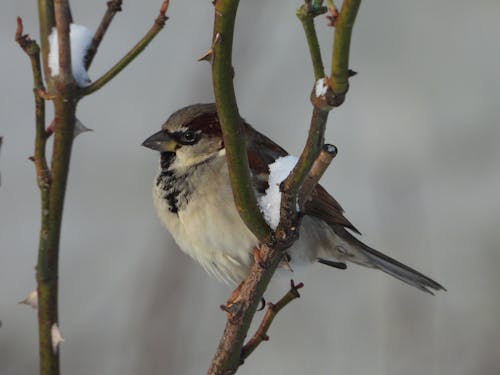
114, 6
232, 128
65, 94
47, 21
49, 363
318, 168
272, 310
306, 14
228, 356
341, 47
131, 55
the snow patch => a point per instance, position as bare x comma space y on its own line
57, 338
80, 39
321, 87
270, 202
31, 300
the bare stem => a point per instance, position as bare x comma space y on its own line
114, 6
318, 168
306, 14
341, 46
131, 55
47, 20
229, 353
227, 359
272, 310
232, 128
64, 93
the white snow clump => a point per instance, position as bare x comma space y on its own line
270, 202
80, 39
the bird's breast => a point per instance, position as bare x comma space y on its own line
199, 212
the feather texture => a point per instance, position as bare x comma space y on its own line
193, 198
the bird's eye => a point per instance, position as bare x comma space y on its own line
189, 137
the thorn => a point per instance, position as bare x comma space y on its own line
57, 338
264, 337
30, 300
32, 158
80, 128
207, 56
262, 304
217, 39
351, 73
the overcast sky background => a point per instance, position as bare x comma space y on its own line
417, 172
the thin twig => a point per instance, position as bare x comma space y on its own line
33, 51
272, 310
114, 6
318, 168
131, 55
306, 14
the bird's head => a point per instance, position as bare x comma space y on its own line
190, 136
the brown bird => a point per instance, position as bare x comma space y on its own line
193, 198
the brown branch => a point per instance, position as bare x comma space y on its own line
65, 94
318, 168
131, 55
63, 21
272, 310
47, 22
227, 358
114, 6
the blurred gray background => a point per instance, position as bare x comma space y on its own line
417, 172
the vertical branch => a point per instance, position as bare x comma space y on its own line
306, 14
231, 352
52, 182
232, 128
47, 21
53, 202
341, 46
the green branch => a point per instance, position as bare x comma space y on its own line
231, 352
232, 128
341, 46
65, 94
306, 14
131, 55
47, 22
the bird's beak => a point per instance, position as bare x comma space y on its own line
161, 141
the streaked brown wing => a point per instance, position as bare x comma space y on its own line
323, 206
262, 151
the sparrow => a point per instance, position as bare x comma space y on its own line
193, 198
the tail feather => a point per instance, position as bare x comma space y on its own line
373, 258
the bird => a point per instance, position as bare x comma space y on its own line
192, 197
